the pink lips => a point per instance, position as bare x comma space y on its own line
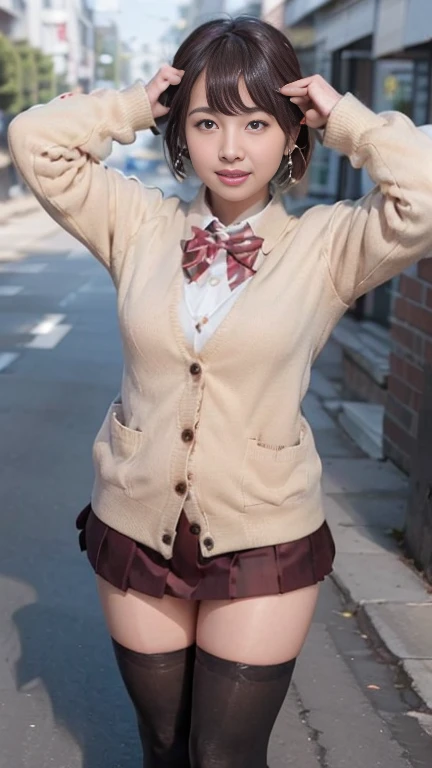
232, 178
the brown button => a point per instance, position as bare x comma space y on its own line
166, 538
195, 529
181, 489
195, 369
187, 435
208, 543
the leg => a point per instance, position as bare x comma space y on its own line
154, 644
245, 659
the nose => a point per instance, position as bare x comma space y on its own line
231, 148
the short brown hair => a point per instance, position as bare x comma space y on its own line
228, 49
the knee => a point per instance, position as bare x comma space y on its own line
209, 753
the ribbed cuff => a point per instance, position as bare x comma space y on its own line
137, 106
347, 124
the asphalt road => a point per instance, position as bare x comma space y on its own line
61, 701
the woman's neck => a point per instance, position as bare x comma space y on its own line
229, 212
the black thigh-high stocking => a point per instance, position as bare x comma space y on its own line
234, 708
160, 686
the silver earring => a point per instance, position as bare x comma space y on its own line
290, 168
179, 164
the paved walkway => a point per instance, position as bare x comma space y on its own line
365, 503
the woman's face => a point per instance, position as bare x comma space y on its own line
250, 143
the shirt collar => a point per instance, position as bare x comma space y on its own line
270, 224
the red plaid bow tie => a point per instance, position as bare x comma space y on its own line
200, 251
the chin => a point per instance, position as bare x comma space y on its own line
242, 192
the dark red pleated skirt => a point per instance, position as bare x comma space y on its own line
270, 570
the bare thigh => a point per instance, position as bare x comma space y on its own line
257, 630
148, 624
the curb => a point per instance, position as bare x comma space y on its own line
417, 671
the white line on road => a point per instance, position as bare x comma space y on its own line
68, 299
6, 358
47, 324
79, 254
49, 340
10, 290
92, 287
23, 268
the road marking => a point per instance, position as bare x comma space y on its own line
48, 332
50, 339
69, 299
79, 254
47, 324
10, 290
6, 358
23, 268
92, 287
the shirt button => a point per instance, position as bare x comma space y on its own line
181, 488
167, 539
187, 435
208, 543
195, 369
214, 281
195, 529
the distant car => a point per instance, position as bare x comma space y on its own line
142, 161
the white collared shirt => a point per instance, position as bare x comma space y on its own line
207, 301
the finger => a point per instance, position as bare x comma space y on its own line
314, 119
160, 110
302, 102
304, 82
167, 68
292, 90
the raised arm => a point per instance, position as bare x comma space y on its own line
59, 148
370, 240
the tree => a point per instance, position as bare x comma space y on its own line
29, 74
10, 77
46, 84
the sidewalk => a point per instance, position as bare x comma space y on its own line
365, 502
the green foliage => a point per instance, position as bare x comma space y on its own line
29, 74
10, 77
45, 76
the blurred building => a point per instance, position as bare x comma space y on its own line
107, 54
12, 18
64, 30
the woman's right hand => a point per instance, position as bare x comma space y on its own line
165, 77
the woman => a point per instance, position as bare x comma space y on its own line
206, 528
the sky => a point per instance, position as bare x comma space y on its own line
147, 19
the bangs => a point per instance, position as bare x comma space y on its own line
232, 58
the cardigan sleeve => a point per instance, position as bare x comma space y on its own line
59, 149
371, 240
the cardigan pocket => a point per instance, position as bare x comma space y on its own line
116, 448
276, 475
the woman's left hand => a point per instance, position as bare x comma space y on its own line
315, 97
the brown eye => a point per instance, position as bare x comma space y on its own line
206, 124
256, 125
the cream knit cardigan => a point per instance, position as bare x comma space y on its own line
221, 433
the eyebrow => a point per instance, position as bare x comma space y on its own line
210, 111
